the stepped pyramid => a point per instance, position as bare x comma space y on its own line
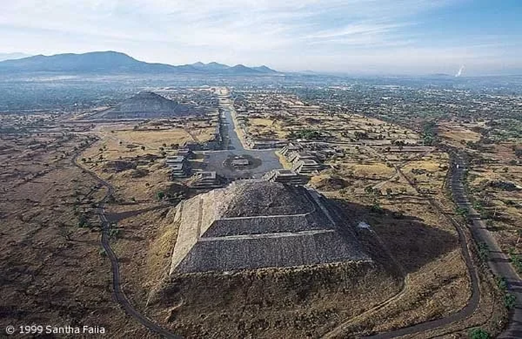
254, 224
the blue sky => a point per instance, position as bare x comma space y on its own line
350, 36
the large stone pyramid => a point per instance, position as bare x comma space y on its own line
255, 224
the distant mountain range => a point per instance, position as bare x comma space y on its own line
12, 56
116, 63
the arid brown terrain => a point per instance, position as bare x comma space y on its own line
55, 271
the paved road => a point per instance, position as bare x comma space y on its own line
233, 146
119, 295
473, 302
498, 261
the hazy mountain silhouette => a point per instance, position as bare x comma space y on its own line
264, 69
241, 69
114, 62
213, 66
94, 62
12, 56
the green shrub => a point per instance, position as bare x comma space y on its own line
516, 261
501, 283
478, 333
509, 301
483, 251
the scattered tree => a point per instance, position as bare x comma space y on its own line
478, 333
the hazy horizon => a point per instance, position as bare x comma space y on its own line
410, 37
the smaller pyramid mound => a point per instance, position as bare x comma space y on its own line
149, 105
255, 224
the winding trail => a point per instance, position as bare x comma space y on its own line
498, 261
119, 294
463, 313
473, 301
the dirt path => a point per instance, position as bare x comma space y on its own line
460, 315
119, 294
473, 302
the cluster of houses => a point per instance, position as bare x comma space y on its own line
307, 159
